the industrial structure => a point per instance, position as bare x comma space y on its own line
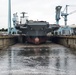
15, 21
58, 13
35, 31
65, 30
66, 14
9, 16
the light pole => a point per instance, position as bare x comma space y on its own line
9, 16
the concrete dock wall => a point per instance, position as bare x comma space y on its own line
68, 41
7, 40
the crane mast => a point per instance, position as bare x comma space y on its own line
58, 8
66, 14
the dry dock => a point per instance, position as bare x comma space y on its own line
68, 41
44, 59
7, 40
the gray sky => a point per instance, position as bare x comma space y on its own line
37, 10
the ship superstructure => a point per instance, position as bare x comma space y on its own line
35, 31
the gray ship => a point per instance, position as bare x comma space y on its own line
35, 31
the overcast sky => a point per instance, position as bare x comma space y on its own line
37, 10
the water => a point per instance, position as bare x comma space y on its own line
45, 59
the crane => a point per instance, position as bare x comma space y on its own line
64, 15
58, 8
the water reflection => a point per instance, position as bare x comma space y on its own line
49, 60
32, 56
33, 51
29, 59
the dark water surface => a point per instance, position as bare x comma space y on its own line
46, 59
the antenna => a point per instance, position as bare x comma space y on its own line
23, 14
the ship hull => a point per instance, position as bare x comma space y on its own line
36, 40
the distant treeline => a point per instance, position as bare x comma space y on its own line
3, 29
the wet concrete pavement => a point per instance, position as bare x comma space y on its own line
44, 59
